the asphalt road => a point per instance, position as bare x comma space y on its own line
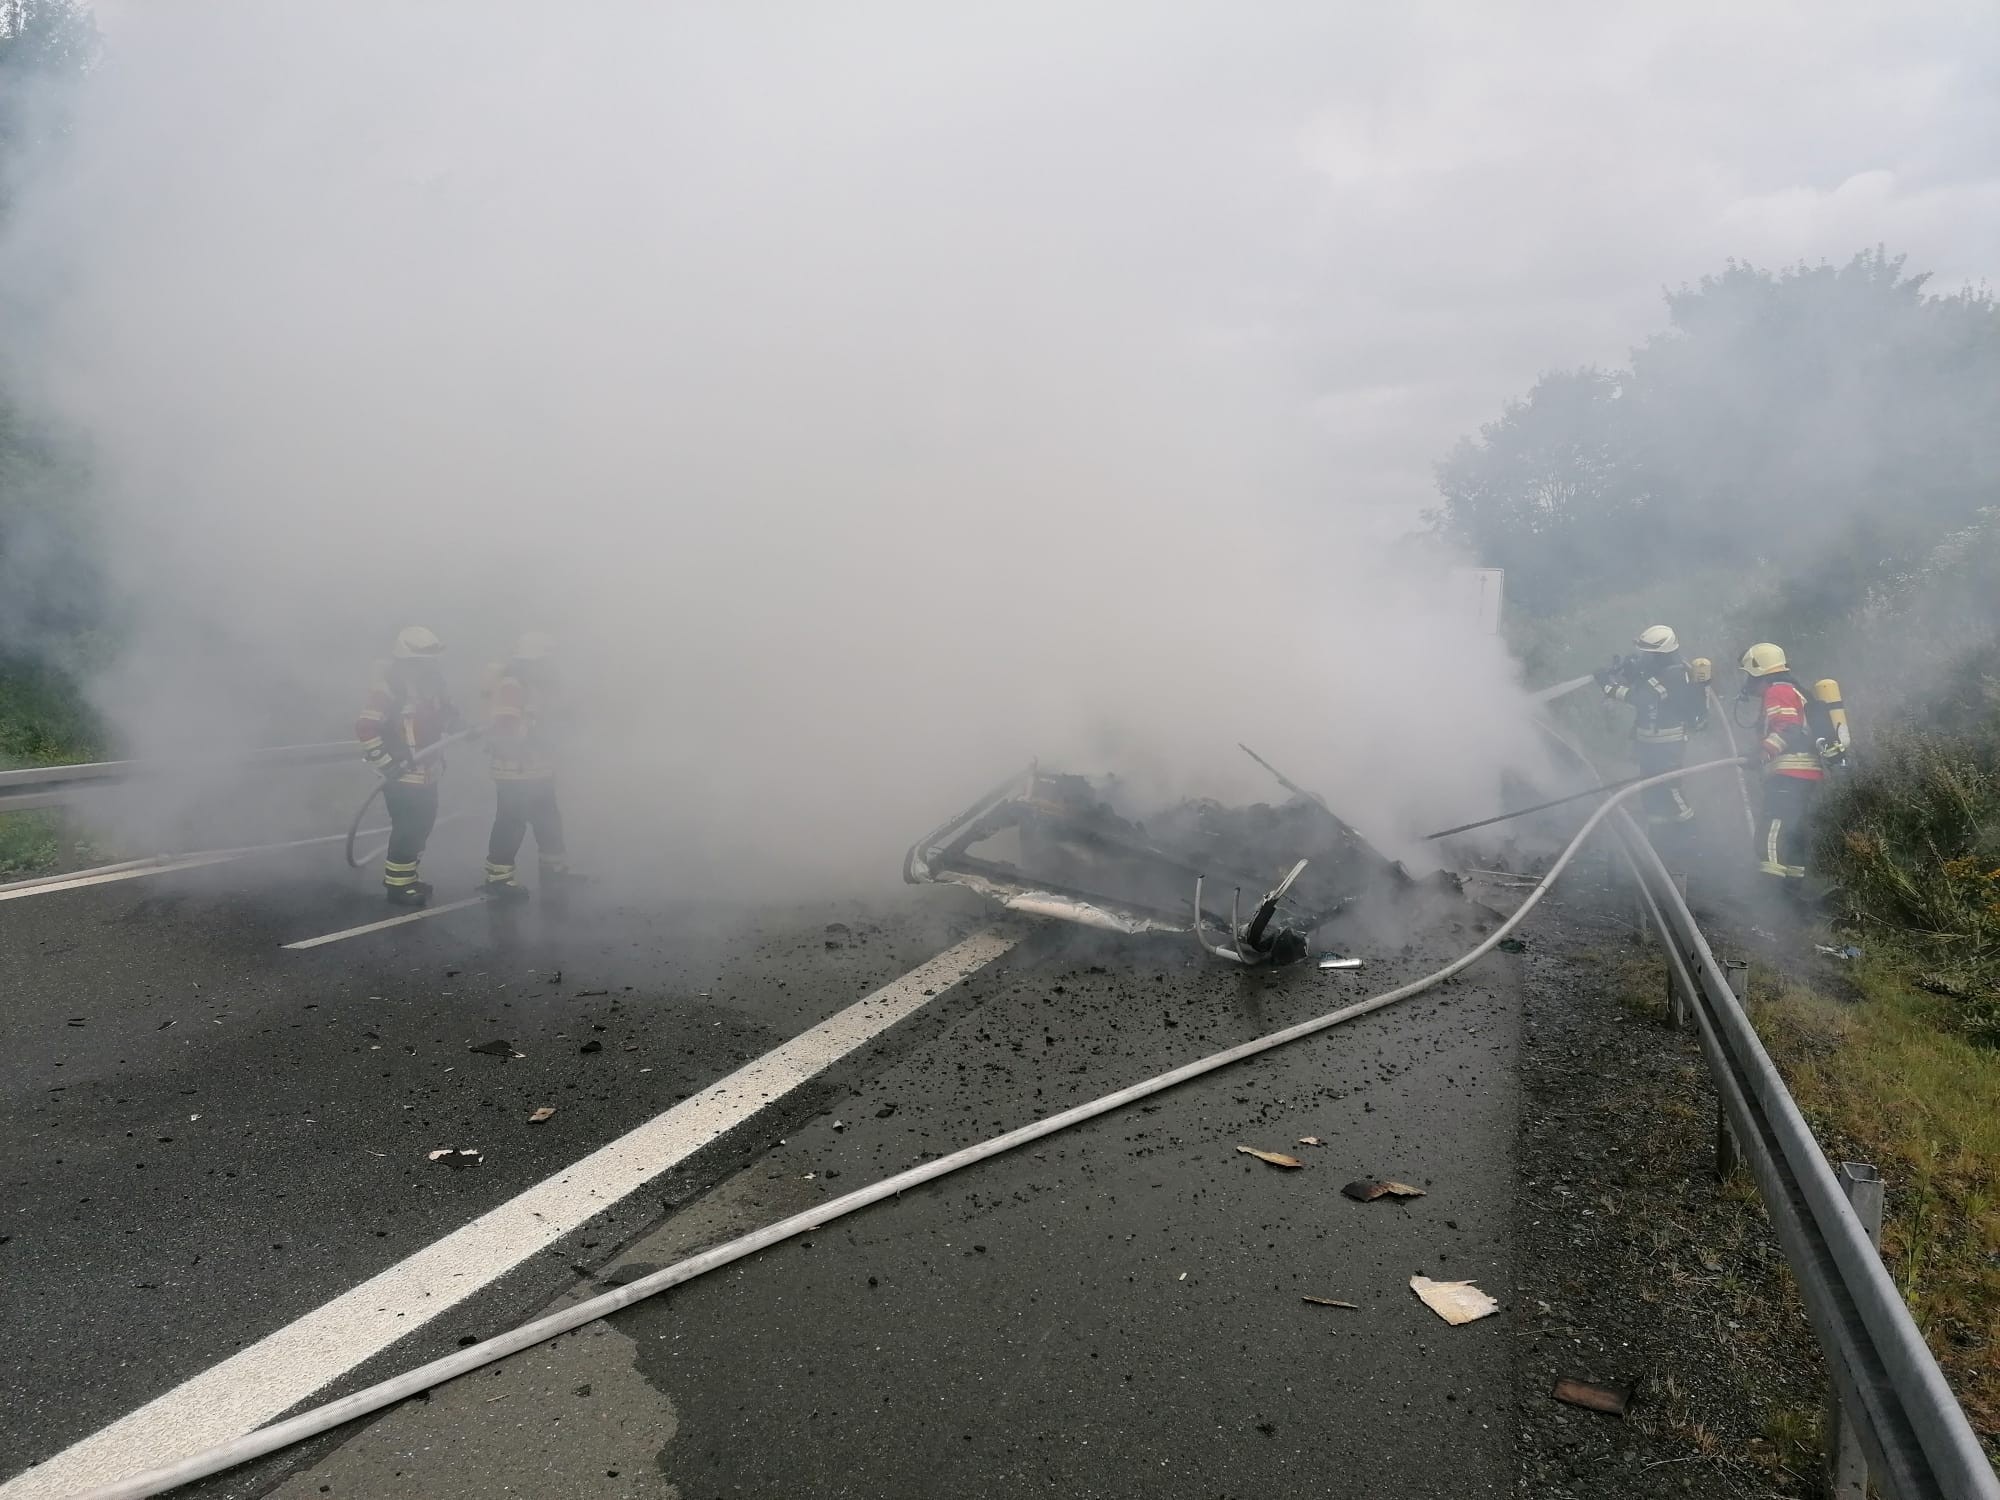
210, 1136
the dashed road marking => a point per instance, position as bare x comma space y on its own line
408, 916
285, 1367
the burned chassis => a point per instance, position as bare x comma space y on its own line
1080, 860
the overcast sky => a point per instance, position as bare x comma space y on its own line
1496, 195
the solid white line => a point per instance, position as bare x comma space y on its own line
130, 869
160, 864
283, 1368
408, 916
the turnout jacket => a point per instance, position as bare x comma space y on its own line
1667, 702
401, 717
517, 729
1788, 747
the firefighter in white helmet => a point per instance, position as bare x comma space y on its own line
1668, 706
407, 712
521, 710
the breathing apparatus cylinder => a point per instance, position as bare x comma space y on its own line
1827, 692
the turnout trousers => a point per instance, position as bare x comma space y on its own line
1664, 804
523, 805
413, 813
1784, 838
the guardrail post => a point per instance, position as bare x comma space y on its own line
1728, 1153
1846, 1464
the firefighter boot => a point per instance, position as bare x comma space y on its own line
500, 884
411, 893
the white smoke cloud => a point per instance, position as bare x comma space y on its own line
871, 397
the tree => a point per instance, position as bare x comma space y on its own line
1549, 491
1834, 421
41, 42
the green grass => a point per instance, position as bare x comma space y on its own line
1893, 1080
43, 721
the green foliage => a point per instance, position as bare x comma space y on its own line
52, 604
1834, 423
43, 721
41, 41
1913, 839
29, 842
1550, 492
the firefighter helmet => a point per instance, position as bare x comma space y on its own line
1762, 659
415, 643
1658, 639
534, 645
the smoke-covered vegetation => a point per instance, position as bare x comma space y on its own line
1810, 456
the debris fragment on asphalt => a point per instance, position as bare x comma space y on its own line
457, 1156
498, 1047
1338, 961
1513, 945
591, 1046
547, 1111
585, 994
1454, 1301
1311, 1140
1275, 1158
1367, 1190
1331, 1302
1611, 1400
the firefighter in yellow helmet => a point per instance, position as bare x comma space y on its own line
407, 712
522, 707
1668, 706
1793, 768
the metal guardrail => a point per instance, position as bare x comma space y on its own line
1894, 1413
49, 786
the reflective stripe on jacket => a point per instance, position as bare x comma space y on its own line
1787, 746
1666, 704
398, 720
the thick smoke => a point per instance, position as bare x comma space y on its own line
868, 398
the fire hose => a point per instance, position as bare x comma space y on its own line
374, 1398
427, 753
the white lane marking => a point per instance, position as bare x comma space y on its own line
160, 864
408, 916
104, 875
283, 1368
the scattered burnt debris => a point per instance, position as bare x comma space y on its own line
1078, 849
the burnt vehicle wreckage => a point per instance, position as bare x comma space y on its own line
1076, 848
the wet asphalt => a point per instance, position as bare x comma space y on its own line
1113, 1311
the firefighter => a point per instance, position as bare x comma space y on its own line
1668, 706
1793, 769
522, 692
408, 712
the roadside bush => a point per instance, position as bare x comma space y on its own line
1913, 839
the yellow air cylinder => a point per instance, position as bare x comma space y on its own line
1701, 670
1827, 691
